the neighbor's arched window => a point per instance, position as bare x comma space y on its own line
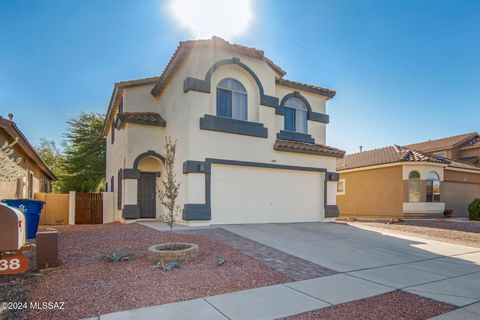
433, 187
296, 115
231, 99
414, 187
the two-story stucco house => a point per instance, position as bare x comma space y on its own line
250, 144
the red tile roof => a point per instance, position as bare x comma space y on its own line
474, 143
443, 143
394, 154
309, 148
307, 87
185, 47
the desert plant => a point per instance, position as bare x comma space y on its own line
474, 209
117, 256
10, 169
168, 266
169, 193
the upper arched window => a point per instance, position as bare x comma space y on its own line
231, 99
295, 115
414, 186
433, 187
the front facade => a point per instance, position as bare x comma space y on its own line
250, 144
400, 181
37, 178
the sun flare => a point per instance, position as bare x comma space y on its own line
206, 18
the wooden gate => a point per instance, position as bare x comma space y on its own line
88, 208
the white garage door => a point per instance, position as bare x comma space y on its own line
261, 195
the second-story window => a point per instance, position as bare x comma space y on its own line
296, 115
231, 99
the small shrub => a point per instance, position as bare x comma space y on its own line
474, 210
168, 266
221, 261
117, 256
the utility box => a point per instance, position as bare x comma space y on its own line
12, 229
47, 249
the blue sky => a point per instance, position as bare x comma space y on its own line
404, 71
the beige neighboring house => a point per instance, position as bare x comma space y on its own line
418, 180
250, 144
38, 177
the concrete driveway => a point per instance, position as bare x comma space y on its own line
442, 271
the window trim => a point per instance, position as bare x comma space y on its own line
112, 137
344, 191
419, 186
296, 114
435, 197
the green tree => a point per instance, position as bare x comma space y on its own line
82, 167
52, 156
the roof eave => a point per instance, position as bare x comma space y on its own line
329, 94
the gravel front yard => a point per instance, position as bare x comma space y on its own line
90, 287
397, 305
465, 233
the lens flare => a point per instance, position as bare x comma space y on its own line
206, 18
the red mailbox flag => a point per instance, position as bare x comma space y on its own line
13, 263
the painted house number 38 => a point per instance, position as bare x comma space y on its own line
12, 264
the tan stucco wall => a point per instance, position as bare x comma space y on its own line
19, 189
459, 176
55, 209
372, 193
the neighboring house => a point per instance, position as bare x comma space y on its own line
38, 177
401, 181
250, 144
463, 147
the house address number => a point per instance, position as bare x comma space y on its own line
13, 263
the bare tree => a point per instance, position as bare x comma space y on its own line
169, 193
10, 169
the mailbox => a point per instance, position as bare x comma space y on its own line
12, 229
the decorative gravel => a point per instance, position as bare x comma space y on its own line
90, 287
397, 305
465, 233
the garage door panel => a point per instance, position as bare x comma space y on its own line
260, 195
458, 196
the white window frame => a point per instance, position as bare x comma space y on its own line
344, 191
441, 153
301, 115
233, 105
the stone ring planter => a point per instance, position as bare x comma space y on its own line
175, 251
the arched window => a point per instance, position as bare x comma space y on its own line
433, 187
414, 187
295, 115
231, 99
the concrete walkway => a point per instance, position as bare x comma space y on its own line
371, 262
263, 303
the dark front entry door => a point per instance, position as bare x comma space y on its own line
147, 195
